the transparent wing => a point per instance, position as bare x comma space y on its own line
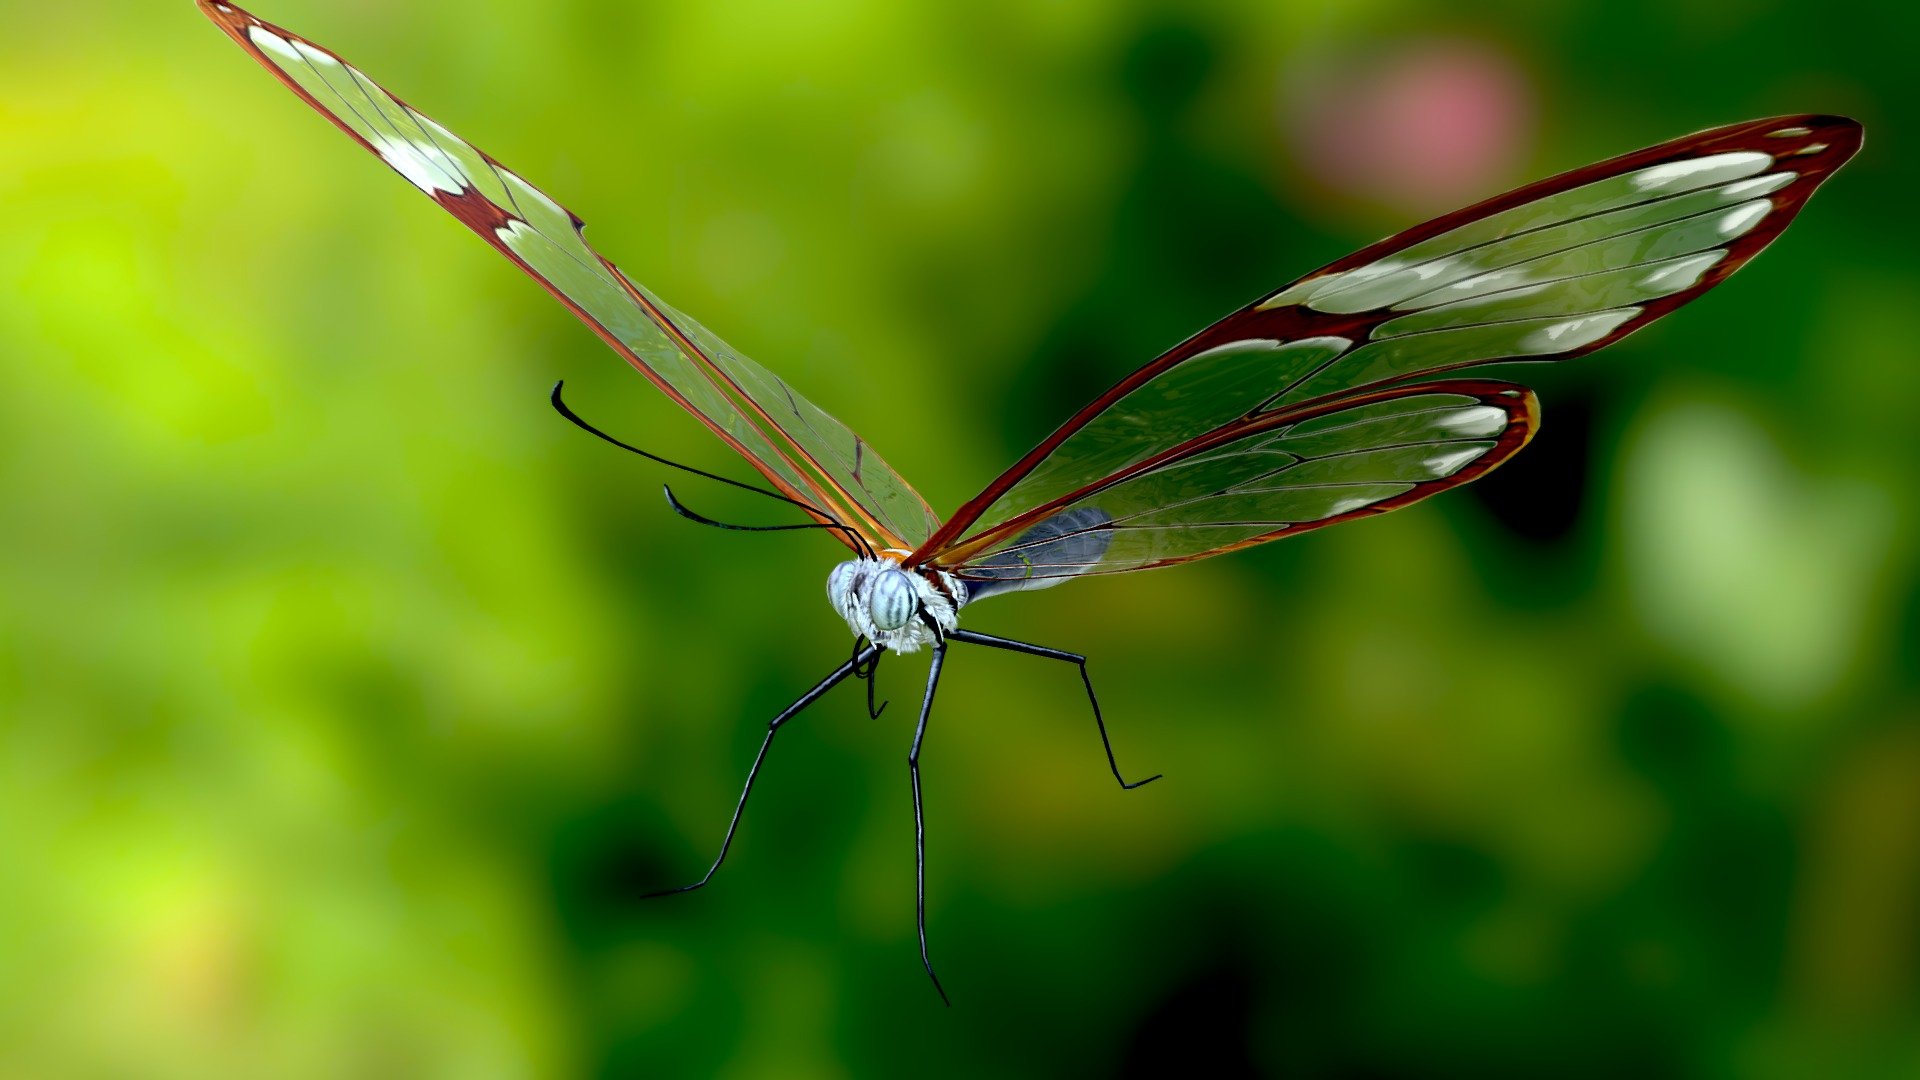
804, 452
1274, 476
1551, 271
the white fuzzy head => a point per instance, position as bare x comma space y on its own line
884, 604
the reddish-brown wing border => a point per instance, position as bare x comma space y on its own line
485, 218
1827, 143
1518, 402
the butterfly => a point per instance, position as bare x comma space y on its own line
1313, 405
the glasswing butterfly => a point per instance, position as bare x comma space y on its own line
1311, 406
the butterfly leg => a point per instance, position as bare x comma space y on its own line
866, 656
1076, 659
919, 820
866, 674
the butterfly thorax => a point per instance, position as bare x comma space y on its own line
892, 606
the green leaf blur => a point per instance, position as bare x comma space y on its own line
349, 697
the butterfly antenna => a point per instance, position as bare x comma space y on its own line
560, 406
702, 519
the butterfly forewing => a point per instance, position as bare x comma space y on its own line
1548, 272
799, 448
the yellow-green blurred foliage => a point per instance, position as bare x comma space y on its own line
349, 698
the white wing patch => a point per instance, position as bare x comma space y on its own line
274, 44
1743, 218
1681, 274
1475, 421
317, 57
1446, 463
1678, 176
426, 167
1570, 334
1761, 185
1232, 348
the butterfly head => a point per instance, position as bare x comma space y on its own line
892, 606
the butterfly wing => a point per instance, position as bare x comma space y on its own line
1286, 473
806, 454
1548, 272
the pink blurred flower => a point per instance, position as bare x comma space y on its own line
1423, 127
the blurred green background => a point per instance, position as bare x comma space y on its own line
350, 697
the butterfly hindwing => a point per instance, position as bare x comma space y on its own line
1282, 475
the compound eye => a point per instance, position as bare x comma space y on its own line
892, 600
841, 581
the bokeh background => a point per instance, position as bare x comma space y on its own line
349, 698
